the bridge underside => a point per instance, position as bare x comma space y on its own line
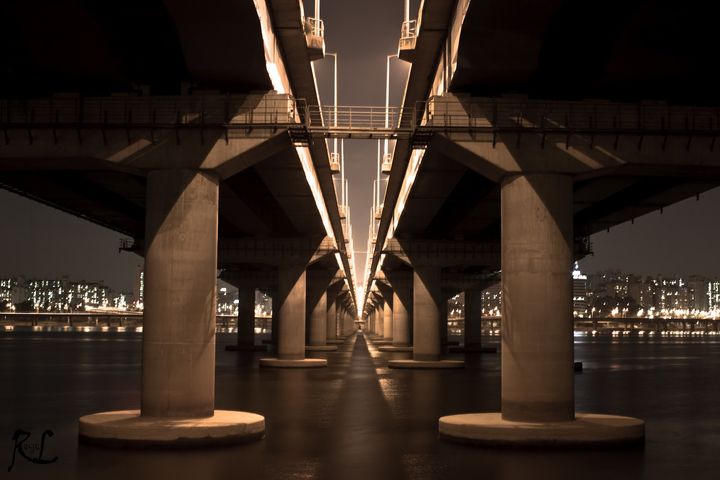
451, 200
270, 199
617, 50
160, 47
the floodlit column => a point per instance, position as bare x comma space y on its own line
348, 323
443, 306
331, 330
274, 319
178, 368
246, 316
402, 311
291, 328
388, 320
537, 327
379, 320
427, 295
473, 318
318, 321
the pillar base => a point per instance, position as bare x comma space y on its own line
383, 343
395, 348
127, 428
426, 364
337, 341
321, 348
471, 349
303, 363
246, 348
588, 429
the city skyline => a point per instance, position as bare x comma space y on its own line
46, 242
667, 243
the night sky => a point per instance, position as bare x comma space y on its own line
38, 241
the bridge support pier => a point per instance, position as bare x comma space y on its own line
292, 281
427, 310
348, 323
318, 303
380, 321
538, 404
332, 320
178, 368
473, 324
388, 320
402, 304
246, 321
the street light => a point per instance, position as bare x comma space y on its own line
335, 96
334, 156
387, 97
386, 151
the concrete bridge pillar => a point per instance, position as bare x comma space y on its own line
537, 328
348, 323
402, 310
332, 312
317, 298
473, 318
444, 320
318, 321
178, 374
427, 309
379, 320
388, 319
292, 281
178, 364
274, 320
427, 295
538, 403
246, 320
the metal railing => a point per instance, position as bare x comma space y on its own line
367, 122
250, 114
408, 35
314, 26
567, 117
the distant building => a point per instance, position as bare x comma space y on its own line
122, 301
492, 300
699, 285
579, 292
139, 287
88, 295
227, 301
9, 293
48, 295
713, 293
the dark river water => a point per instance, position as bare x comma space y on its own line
357, 418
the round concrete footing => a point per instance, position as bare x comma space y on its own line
128, 428
246, 348
393, 348
382, 342
588, 429
420, 364
303, 363
321, 348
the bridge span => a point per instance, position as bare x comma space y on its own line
512, 146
